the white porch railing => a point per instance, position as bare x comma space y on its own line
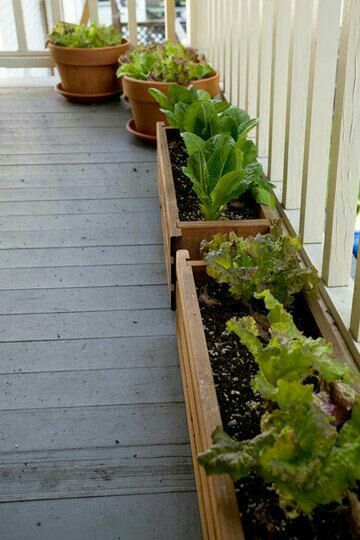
54, 9
296, 65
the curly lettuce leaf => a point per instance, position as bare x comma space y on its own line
307, 461
168, 62
254, 264
84, 36
289, 355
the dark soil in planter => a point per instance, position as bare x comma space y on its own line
187, 201
233, 366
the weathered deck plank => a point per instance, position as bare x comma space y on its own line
92, 324
113, 471
94, 441
162, 516
80, 256
125, 155
80, 173
93, 191
30, 209
82, 354
90, 388
139, 234
119, 275
61, 428
83, 299
149, 218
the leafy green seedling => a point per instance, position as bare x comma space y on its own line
167, 62
83, 36
251, 265
300, 451
216, 171
289, 355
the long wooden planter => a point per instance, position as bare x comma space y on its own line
219, 513
189, 234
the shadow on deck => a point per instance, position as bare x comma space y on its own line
94, 443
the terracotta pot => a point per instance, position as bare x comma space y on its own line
146, 110
88, 71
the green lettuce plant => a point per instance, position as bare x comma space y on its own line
251, 265
289, 355
218, 176
195, 113
167, 62
84, 36
300, 451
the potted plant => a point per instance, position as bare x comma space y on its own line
158, 66
208, 175
273, 409
86, 58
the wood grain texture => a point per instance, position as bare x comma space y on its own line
62, 428
253, 59
29, 209
243, 53
319, 121
266, 52
86, 173
80, 256
113, 471
344, 156
65, 300
114, 516
216, 495
235, 52
297, 99
92, 406
280, 74
140, 234
91, 354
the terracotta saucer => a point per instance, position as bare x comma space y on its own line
145, 137
86, 98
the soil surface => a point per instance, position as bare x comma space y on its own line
187, 201
241, 411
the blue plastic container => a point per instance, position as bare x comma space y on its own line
356, 243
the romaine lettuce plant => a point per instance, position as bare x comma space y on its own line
251, 265
181, 98
83, 36
308, 459
194, 112
168, 62
218, 176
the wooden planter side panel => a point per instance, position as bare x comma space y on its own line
192, 233
218, 507
168, 206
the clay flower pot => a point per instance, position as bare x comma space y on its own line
146, 110
88, 74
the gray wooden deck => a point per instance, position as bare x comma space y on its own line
93, 438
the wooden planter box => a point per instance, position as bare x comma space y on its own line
219, 513
189, 234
